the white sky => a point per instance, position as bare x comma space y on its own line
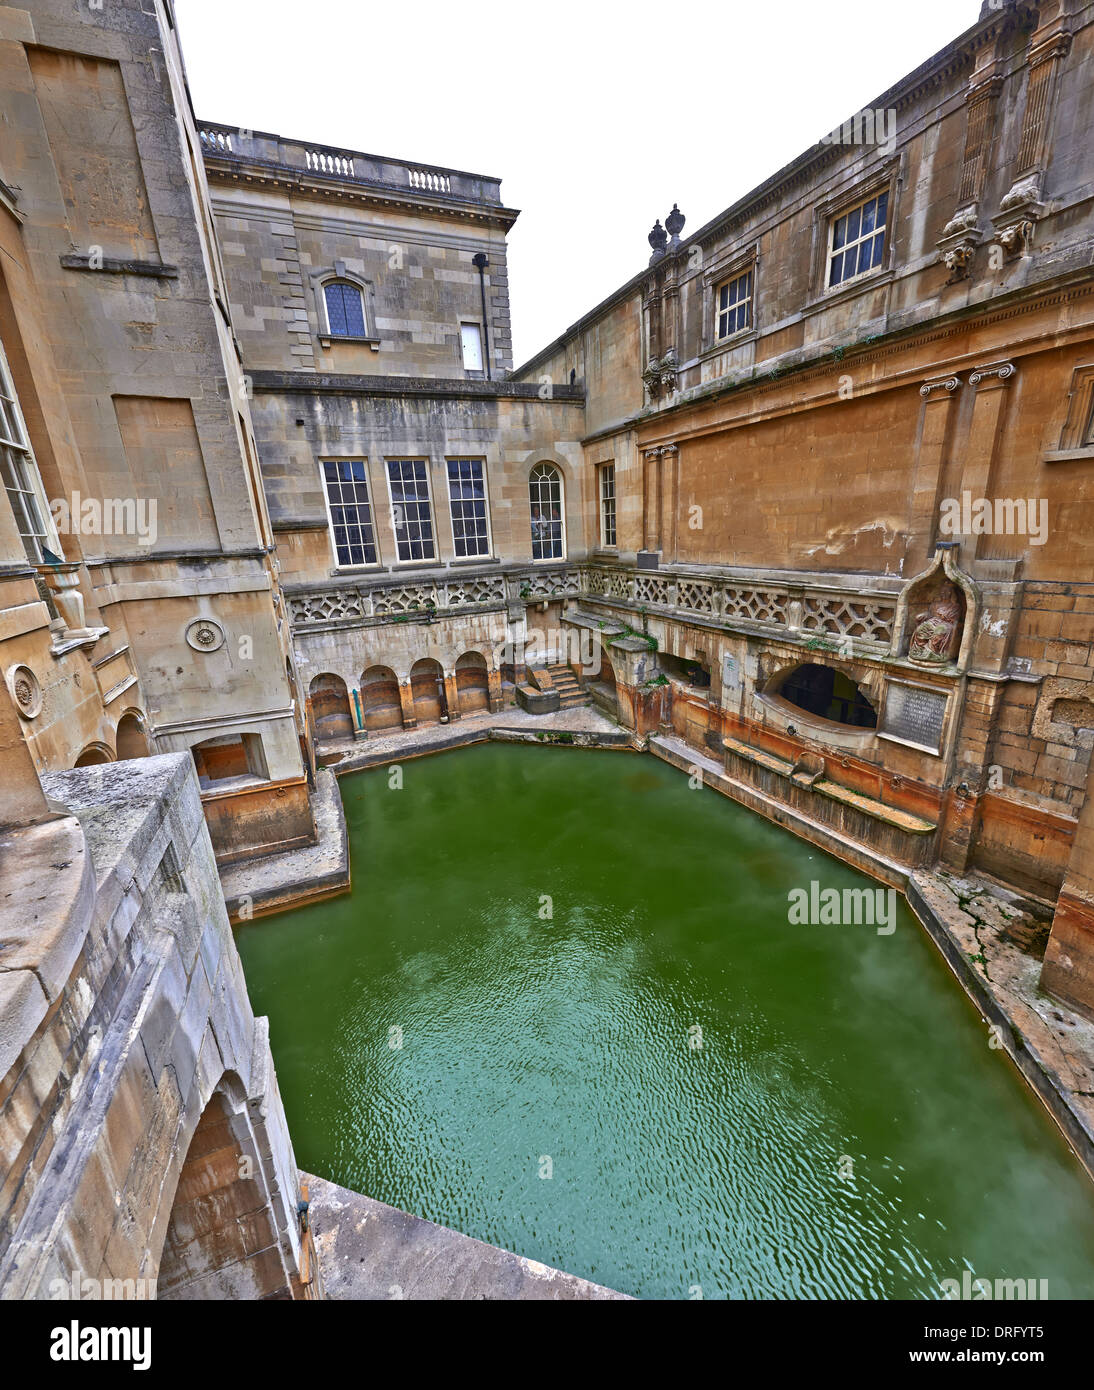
596, 116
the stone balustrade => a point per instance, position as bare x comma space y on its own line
866, 617
370, 602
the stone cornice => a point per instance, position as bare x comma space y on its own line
350, 384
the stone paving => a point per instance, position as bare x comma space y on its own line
588, 725
370, 1251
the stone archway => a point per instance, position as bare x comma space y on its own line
602, 686
330, 707
427, 690
381, 707
222, 1237
825, 692
132, 739
473, 683
94, 755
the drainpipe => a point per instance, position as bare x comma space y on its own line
360, 731
482, 260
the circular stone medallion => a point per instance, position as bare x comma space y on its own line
25, 691
205, 635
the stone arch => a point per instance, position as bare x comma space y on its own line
823, 692
473, 682
229, 755
95, 755
132, 740
427, 690
222, 1237
330, 706
381, 707
602, 685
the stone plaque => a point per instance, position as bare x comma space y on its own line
731, 673
915, 715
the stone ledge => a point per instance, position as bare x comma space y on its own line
372, 1252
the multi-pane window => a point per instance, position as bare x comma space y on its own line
607, 504
467, 493
545, 500
471, 345
858, 240
346, 483
410, 512
734, 305
345, 309
20, 473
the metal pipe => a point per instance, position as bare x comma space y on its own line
482, 260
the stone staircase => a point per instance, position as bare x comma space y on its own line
570, 693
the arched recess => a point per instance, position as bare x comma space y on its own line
473, 683
94, 755
222, 1237
381, 707
330, 707
602, 685
824, 693
132, 740
427, 689
221, 759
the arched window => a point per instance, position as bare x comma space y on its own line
345, 309
545, 501
827, 693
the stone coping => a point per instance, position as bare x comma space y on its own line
370, 1251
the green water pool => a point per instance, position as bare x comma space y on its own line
654, 1080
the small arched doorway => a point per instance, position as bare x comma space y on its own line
381, 707
330, 707
132, 740
602, 685
473, 683
427, 690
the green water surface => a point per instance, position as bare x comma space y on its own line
844, 1130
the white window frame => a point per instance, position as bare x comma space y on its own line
489, 553
845, 210
336, 279
434, 559
356, 458
549, 463
473, 323
601, 474
26, 460
747, 272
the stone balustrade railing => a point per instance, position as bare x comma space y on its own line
235, 145
797, 609
371, 601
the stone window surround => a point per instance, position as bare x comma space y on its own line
354, 458
338, 271
729, 266
604, 545
489, 557
886, 178
549, 463
1077, 436
434, 559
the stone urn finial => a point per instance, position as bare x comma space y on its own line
674, 223
658, 239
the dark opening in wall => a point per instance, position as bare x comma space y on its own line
828, 693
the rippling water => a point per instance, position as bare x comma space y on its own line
843, 1131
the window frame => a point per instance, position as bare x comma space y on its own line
832, 251
549, 559
433, 559
23, 450
326, 284
743, 272
602, 473
363, 460
480, 370
489, 552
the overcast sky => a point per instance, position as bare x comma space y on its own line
596, 116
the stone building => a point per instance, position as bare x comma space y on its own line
371, 303
137, 558
811, 494
844, 437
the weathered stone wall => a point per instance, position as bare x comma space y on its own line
144, 1024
